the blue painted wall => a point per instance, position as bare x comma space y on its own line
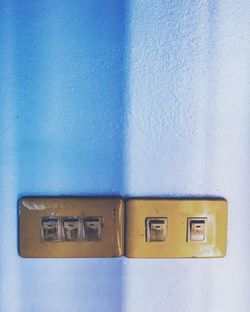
62, 113
140, 98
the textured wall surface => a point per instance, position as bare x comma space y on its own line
76, 117
188, 119
61, 101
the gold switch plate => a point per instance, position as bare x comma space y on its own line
179, 214
53, 227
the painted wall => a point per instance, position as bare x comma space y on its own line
62, 112
141, 98
188, 117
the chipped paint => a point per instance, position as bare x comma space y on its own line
33, 206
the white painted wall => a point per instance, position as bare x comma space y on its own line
188, 119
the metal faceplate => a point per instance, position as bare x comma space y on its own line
175, 228
70, 227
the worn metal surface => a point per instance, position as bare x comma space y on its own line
33, 245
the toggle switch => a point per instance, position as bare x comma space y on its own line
92, 228
71, 228
156, 229
50, 229
197, 229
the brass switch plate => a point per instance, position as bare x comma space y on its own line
70, 227
207, 239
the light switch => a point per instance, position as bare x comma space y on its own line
156, 229
50, 229
71, 228
175, 228
92, 228
197, 229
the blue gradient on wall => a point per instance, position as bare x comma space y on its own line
61, 100
65, 129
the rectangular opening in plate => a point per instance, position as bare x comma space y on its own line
71, 227
92, 228
197, 229
156, 229
50, 229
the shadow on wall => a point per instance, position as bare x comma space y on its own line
66, 121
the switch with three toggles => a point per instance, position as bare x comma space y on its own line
71, 228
